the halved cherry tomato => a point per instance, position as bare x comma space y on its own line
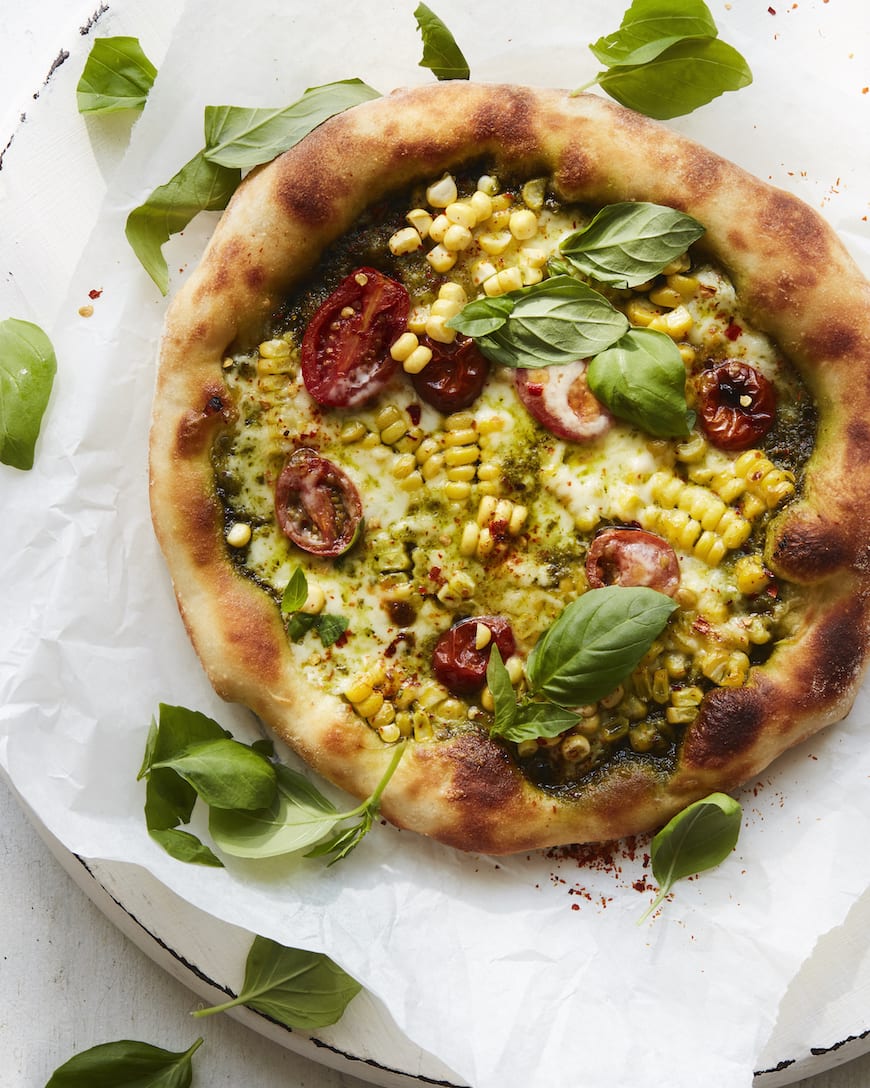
456, 660
736, 405
346, 357
454, 376
632, 557
317, 505
560, 399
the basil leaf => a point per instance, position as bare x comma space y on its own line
483, 316
685, 76
330, 628
533, 720
649, 27
596, 642
300, 816
27, 369
295, 592
698, 838
183, 846
503, 695
198, 186
238, 137
628, 243
126, 1064
117, 76
300, 989
556, 321
441, 54
345, 839
642, 379
225, 774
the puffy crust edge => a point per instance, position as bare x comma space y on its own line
800, 286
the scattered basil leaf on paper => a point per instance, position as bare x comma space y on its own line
299, 989
556, 321
698, 838
126, 1064
225, 774
666, 59
642, 379
117, 76
630, 242
441, 55
27, 369
328, 626
595, 643
235, 138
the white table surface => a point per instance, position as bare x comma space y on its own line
68, 978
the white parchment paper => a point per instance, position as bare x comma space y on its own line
527, 970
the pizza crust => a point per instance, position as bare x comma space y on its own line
799, 286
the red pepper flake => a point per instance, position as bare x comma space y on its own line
94, 293
733, 330
771, 11
414, 413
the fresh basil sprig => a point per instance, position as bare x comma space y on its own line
441, 54
556, 321
27, 369
117, 76
328, 626
666, 59
642, 379
698, 838
300, 989
126, 1062
628, 243
234, 138
596, 642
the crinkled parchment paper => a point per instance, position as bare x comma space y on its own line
527, 970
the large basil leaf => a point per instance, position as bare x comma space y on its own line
642, 379
685, 76
628, 243
27, 369
596, 642
441, 55
649, 27
698, 838
559, 320
239, 138
225, 774
117, 76
126, 1064
300, 989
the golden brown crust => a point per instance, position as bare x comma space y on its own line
799, 286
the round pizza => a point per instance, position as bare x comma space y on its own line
514, 428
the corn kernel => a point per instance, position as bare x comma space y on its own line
405, 240
239, 535
640, 311
575, 748
533, 193
274, 349
442, 192
445, 307
440, 258
315, 601
417, 360
353, 431
403, 347
359, 691
488, 184
436, 329
457, 490
495, 243
481, 271
452, 291
439, 227
666, 296
508, 279
675, 324
481, 204
531, 276
456, 238
482, 636
417, 319
462, 214
514, 666
523, 224
420, 220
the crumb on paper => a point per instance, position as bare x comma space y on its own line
86, 311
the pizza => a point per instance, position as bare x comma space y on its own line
378, 455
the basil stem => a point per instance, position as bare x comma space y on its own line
27, 369
126, 1062
441, 55
117, 76
698, 838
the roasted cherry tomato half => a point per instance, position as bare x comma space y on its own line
317, 505
736, 405
456, 660
560, 399
454, 377
632, 557
346, 357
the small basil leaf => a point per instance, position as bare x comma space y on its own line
125, 1064
503, 695
183, 846
441, 54
533, 720
238, 137
295, 592
150, 746
596, 642
628, 243
27, 369
117, 76
330, 628
649, 27
483, 316
198, 186
698, 838
299, 625
300, 989
225, 774
553, 322
642, 379
685, 76
300, 817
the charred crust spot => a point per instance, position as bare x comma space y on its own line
255, 277
575, 172
836, 648
784, 216
834, 340
809, 550
483, 777
727, 726
195, 427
